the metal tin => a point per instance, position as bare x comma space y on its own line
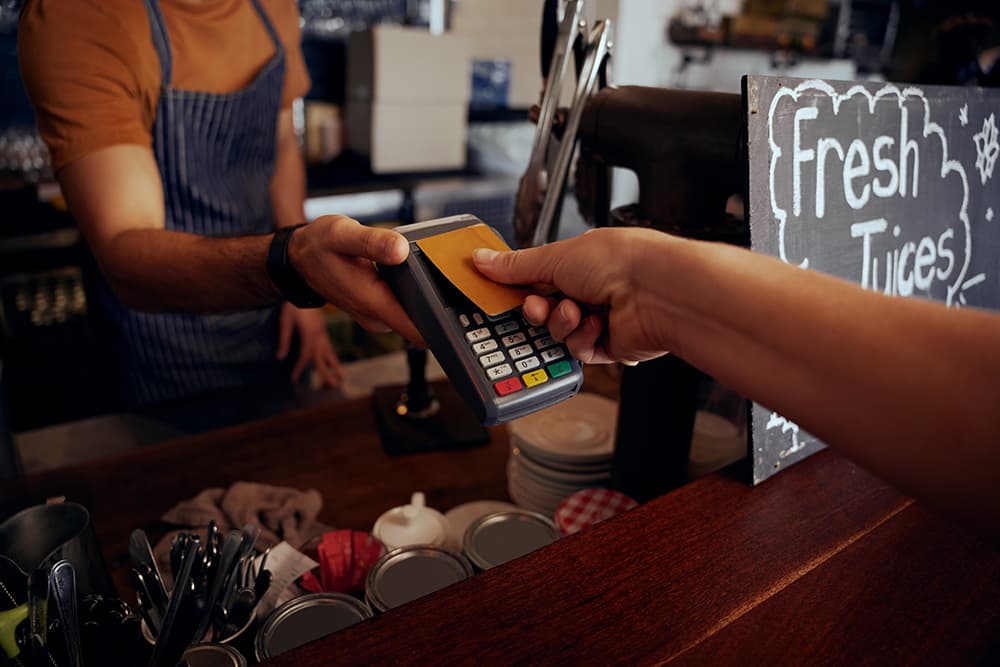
242, 639
214, 655
503, 536
306, 618
407, 573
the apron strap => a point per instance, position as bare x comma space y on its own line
161, 40
279, 49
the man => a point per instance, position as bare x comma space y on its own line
170, 128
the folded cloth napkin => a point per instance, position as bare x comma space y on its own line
281, 514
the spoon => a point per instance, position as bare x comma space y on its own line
62, 587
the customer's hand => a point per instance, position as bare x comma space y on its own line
334, 255
315, 348
606, 317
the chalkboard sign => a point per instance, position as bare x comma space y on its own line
893, 186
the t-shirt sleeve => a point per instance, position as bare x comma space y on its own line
79, 67
286, 20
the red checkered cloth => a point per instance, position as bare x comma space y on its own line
585, 508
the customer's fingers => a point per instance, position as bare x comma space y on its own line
584, 343
521, 267
564, 319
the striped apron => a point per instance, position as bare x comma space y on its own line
215, 154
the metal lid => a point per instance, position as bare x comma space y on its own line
214, 655
503, 536
407, 573
306, 618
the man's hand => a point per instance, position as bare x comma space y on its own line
334, 255
315, 348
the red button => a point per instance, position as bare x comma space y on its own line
508, 386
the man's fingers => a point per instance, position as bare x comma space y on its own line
383, 307
520, 267
330, 379
349, 237
286, 326
305, 356
333, 363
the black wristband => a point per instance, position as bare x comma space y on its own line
290, 284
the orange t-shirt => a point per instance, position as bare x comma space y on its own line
93, 74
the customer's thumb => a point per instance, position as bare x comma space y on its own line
521, 267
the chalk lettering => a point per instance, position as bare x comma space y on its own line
884, 164
926, 257
799, 156
890, 177
824, 146
904, 280
865, 230
944, 251
906, 148
907, 268
855, 166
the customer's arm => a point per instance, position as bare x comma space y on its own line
116, 197
906, 387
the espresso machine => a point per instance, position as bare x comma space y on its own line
687, 150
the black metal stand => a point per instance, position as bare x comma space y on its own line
656, 413
415, 417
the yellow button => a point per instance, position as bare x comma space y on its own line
534, 377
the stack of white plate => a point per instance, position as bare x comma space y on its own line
560, 450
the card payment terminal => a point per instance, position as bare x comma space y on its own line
504, 367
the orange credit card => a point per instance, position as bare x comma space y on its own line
451, 253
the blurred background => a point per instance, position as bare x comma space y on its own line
388, 149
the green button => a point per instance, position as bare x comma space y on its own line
559, 369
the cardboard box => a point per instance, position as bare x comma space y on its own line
764, 7
753, 31
405, 137
407, 99
506, 32
816, 9
405, 65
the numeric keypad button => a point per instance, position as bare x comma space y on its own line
525, 365
498, 372
484, 346
477, 335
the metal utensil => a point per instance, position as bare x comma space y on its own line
175, 634
142, 554
38, 595
230, 552
155, 590
62, 589
150, 612
177, 548
238, 613
211, 550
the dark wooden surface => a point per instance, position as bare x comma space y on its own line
334, 449
823, 564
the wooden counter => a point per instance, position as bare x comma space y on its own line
823, 563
